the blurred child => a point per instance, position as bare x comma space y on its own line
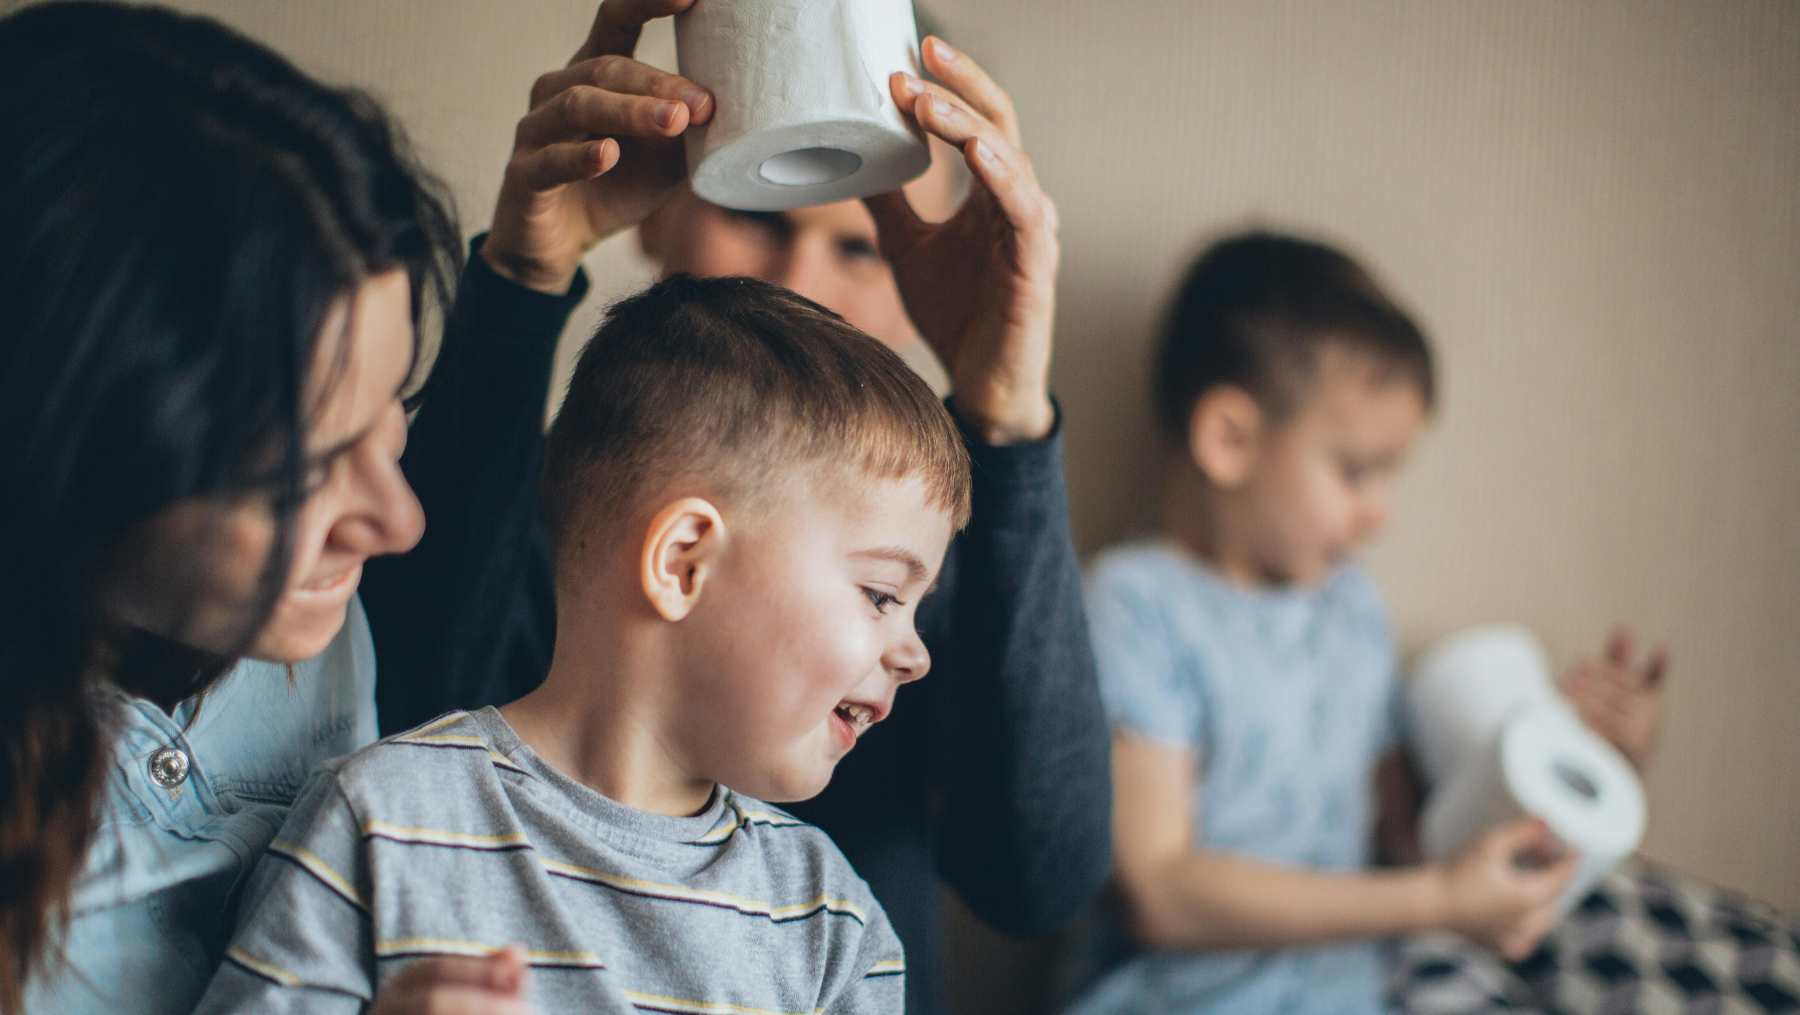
1249, 670
748, 497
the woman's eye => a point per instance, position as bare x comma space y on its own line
880, 600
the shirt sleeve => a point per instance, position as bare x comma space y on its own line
304, 941
1143, 683
468, 617
1019, 756
871, 978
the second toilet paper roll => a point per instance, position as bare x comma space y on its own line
803, 114
1546, 764
1465, 688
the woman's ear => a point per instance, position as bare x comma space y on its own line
1225, 435
681, 549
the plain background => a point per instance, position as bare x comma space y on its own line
1593, 208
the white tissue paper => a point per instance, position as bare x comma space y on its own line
1505, 744
803, 114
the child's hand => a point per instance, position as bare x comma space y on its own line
1620, 697
1492, 899
494, 985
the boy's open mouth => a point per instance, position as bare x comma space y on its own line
857, 716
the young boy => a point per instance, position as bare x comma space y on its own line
748, 499
1248, 667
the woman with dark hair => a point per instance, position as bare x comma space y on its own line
213, 278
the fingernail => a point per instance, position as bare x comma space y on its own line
696, 99
940, 108
911, 85
944, 52
665, 114
983, 152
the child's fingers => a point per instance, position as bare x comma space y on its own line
503, 972
1657, 667
1618, 646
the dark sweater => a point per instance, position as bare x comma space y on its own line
991, 773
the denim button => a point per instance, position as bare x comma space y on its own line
169, 767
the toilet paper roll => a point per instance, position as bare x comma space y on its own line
1546, 764
1466, 687
803, 114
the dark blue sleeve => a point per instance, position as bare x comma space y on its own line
468, 617
1020, 754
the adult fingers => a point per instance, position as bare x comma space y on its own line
618, 23
584, 112
568, 162
963, 76
622, 74
1001, 167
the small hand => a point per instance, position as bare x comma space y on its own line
1619, 696
492, 985
598, 152
1493, 900
981, 285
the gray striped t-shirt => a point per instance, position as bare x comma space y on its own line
455, 839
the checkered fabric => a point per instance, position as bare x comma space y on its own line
1648, 941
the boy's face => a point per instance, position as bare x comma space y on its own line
804, 631
1323, 481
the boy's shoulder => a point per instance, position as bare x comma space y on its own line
425, 763
782, 837
1140, 566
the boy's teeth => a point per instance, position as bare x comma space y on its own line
859, 715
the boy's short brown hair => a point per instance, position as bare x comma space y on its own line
1254, 310
730, 384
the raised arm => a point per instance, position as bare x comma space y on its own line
1022, 766
468, 619
1021, 771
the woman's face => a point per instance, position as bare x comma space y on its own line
193, 572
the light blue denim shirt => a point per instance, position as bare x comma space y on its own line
1286, 698
190, 803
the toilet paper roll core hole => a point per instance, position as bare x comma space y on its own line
1576, 780
809, 167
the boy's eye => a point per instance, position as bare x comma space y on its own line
880, 600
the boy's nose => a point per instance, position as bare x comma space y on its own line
907, 660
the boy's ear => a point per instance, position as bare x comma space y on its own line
681, 549
1225, 433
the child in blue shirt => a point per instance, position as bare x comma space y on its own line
1248, 667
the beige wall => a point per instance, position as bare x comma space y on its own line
1595, 209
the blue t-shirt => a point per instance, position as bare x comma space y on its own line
1286, 698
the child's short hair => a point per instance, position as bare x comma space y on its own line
732, 383
1253, 312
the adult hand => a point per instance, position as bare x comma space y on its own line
1619, 695
598, 152
980, 285
1490, 898
492, 985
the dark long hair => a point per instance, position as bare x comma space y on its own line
182, 208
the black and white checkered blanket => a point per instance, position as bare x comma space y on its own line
1647, 941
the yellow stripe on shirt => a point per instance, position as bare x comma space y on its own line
704, 1007
682, 893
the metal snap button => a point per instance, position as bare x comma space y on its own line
169, 767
